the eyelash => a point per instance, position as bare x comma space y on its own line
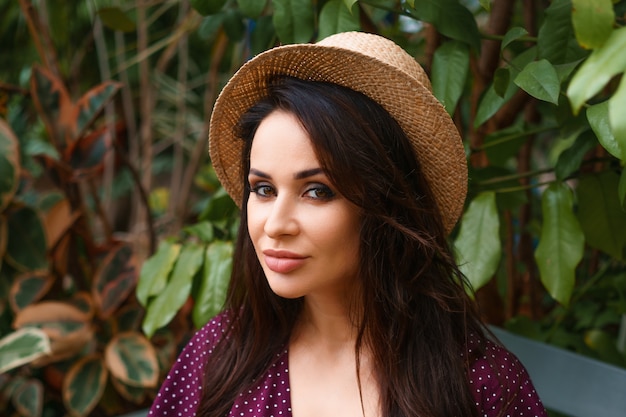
262, 190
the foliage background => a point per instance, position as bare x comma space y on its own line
115, 236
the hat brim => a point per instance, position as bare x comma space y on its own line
430, 129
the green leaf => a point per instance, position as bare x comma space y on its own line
212, 293
29, 288
203, 231
504, 144
512, 35
26, 247
593, 22
114, 280
165, 305
617, 121
501, 80
486, 4
598, 117
478, 247
451, 19
114, 18
621, 189
155, 270
556, 40
84, 385
207, 7
449, 72
252, 8
335, 17
602, 65
350, 3
263, 35
234, 26
131, 358
28, 398
539, 79
570, 159
9, 164
293, 20
21, 347
561, 243
605, 345
600, 213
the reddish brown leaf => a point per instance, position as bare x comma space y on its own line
91, 104
58, 220
86, 155
115, 280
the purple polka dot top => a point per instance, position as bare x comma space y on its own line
500, 384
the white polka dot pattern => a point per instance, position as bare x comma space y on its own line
500, 384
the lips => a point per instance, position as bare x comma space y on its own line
283, 262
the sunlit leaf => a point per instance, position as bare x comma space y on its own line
561, 243
293, 20
131, 358
593, 21
449, 72
600, 213
556, 40
28, 288
335, 17
477, 246
598, 116
252, 8
9, 164
84, 385
115, 18
165, 305
114, 280
451, 19
26, 246
21, 347
154, 272
602, 65
28, 398
617, 121
512, 35
539, 79
212, 292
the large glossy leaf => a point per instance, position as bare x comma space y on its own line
451, 19
28, 398
335, 17
477, 247
21, 347
449, 72
617, 104
540, 80
556, 40
28, 288
9, 164
114, 280
598, 116
252, 8
165, 305
53, 104
293, 20
84, 385
561, 242
26, 245
212, 292
131, 358
593, 22
154, 272
600, 213
602, 65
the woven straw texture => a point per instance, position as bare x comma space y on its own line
368, 63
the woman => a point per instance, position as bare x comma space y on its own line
344, 298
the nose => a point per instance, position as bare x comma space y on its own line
281, 218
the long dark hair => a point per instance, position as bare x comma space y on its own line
418, 317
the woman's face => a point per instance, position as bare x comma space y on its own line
305, 234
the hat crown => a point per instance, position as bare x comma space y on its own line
380, 49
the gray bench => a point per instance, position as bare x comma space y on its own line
567, 382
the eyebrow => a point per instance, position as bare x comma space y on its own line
298, 175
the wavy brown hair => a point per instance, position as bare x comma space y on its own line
418, 316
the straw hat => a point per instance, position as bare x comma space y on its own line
368, 63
